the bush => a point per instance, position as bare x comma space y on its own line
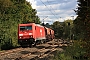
62, 56
75, 52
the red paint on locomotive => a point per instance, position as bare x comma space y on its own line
31, 33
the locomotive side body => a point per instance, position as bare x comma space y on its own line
40, 32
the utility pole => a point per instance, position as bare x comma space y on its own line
44, 18
73, 33
72, 17
69, 31
60, 18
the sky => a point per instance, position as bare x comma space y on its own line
50, 11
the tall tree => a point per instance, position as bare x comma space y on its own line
82, 22
58, 28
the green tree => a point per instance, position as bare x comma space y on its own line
12, 13
82, 23
68, 29
63, 29
58, 28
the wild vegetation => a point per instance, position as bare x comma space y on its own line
12, 13
63, 29
82, 23
80, 50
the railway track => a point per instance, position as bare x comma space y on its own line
34, 53
10, 51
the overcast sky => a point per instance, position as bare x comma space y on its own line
54, 10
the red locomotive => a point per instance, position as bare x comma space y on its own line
32, 33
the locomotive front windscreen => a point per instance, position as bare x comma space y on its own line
25, 27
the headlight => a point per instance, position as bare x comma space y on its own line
30, 33
20, 34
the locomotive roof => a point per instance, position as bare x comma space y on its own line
39, 25
31, 24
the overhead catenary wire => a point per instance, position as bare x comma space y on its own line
49, 9
51, 6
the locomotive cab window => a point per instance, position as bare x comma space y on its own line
25, 27
29, 27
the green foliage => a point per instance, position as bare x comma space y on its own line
74, 52
77, 49
63, 29
82, 23
58, 28
12, 13
68, 29
62, 56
